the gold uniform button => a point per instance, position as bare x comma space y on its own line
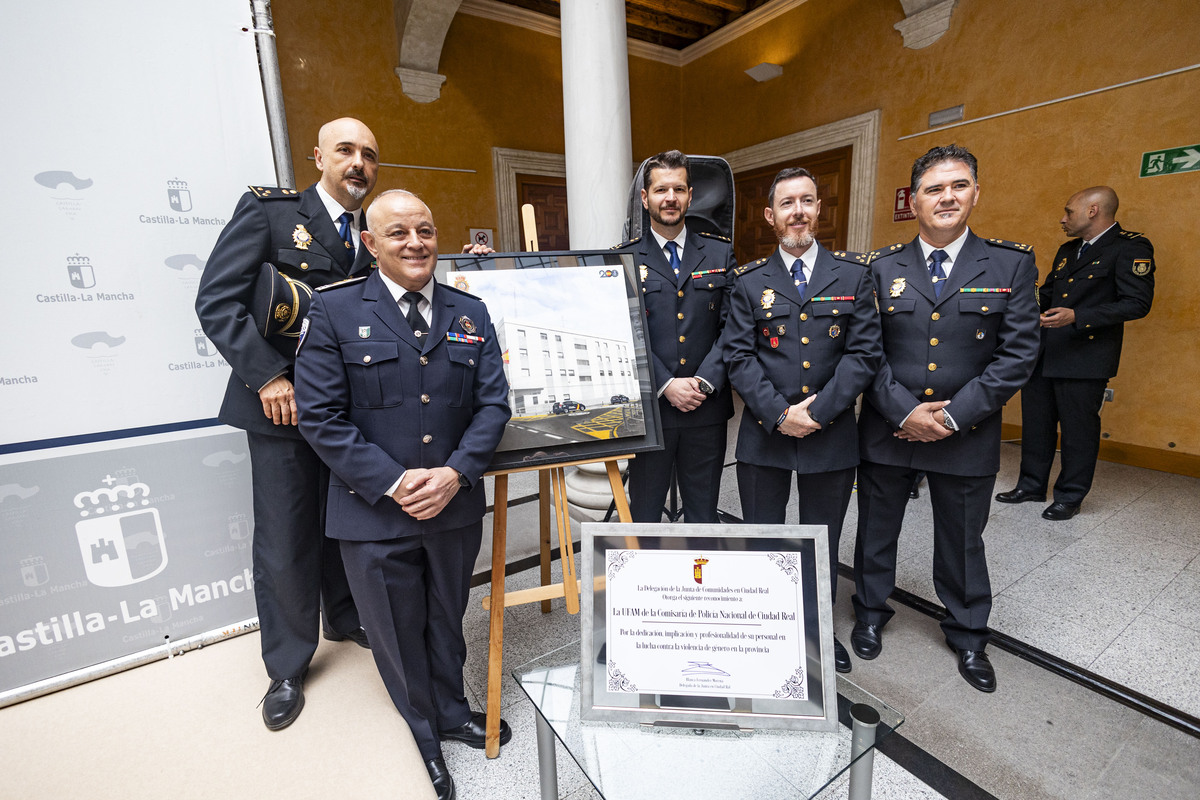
769, 315
366, 359
710, 286
807, 365
424, 398
803, 316
804, 389
934, 341
470, 362
303, 265
983, 308
891, 308
1070, 280
1089, 277
683, 361
680, 292
928, 392
803, 340
679, 315
1091, 337
932, 367
935, 316
682, 339
835, 311
424, 360
1064, 294
427, 438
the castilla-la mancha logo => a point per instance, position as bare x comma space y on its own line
120, 535
697, 570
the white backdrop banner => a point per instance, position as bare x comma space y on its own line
132, 128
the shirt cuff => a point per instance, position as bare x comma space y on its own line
396, 485
280, 375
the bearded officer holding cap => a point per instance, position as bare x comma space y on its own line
279, 243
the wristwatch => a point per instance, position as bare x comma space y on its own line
462, 480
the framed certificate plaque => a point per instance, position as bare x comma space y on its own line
708, 626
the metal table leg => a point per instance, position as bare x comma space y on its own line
862, 743
547, 760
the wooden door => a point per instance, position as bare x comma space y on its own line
753, 237
548, 196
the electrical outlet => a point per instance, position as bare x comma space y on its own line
1108, 395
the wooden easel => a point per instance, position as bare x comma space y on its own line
552, 490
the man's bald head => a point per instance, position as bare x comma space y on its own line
348, 158
1090, 212
401, 235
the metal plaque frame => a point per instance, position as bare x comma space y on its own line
603, 697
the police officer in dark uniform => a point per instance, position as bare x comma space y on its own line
1100, 280
960, 337
297, 573
684, 279
802, 343
401, 390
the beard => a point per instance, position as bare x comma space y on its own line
353, 189
796, 242
657, 216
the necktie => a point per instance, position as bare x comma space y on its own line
344, 229
1083, 250
673, 257
415, 320
798, 277
936, 272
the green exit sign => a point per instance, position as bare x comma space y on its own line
1176, 159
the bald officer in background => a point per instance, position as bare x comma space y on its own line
1101, 279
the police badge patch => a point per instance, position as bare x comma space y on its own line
303, 333
302, 237
466, 323
364, 331
898, 287
1141, 267
768, 298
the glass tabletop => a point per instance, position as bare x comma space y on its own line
635, 760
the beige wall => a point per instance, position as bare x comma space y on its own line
840, 58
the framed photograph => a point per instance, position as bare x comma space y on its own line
708, 626
570, 327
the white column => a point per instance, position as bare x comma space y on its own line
595, 68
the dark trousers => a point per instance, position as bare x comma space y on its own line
412, 593
697, 454
823, 500
297, 571
960, 574
1072, 404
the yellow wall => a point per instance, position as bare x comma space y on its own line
840, 58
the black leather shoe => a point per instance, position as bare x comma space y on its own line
867, 640
1060, 511
1020, 496
283, 702
841, 659
473, 732
975, 668
439, 776
358, 636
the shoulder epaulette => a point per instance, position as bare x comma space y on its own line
273, 192
716, 236
744, 268
1024, 248
339, 284
1129, 234
622, 245
884, 251
853, 258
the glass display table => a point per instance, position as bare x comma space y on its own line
636, 761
